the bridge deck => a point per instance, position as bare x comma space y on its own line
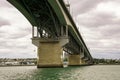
61, 13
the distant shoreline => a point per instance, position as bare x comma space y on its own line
14, 65
36, 65
106, 64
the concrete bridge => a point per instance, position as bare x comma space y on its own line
54, 33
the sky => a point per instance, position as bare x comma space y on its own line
97, 20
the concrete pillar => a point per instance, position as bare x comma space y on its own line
74, 60
49, 52
82, 62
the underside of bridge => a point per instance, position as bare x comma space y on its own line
53, 32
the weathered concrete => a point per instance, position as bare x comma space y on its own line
82, 62
50, 52
74, 60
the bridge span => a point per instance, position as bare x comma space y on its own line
54, 32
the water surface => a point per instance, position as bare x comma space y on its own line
96, 72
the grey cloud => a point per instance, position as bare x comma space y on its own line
9, 43
103, 39
106, 55
104, 19
83, 6
101, 29
111, 31
17, 35
94, 19
4, 22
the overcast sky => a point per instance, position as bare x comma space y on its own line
98, 22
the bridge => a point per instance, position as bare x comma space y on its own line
54, 33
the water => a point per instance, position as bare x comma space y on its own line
96, 72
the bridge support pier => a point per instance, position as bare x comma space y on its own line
49, 52
82, 62
74, 60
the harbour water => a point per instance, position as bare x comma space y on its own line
95, 72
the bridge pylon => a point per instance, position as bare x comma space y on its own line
74, 60
50, 50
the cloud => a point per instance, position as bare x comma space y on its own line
106, 55
97, 20
15, 33
4, 3
3, 22
83, 6
93, 19
100, 28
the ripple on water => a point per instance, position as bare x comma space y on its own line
97, 72
14, 73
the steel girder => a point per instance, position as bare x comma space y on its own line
40, 14
47, 15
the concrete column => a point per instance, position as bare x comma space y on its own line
74, 60
82, 62
49, 52
32, 31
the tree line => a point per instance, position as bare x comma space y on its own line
106, 61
